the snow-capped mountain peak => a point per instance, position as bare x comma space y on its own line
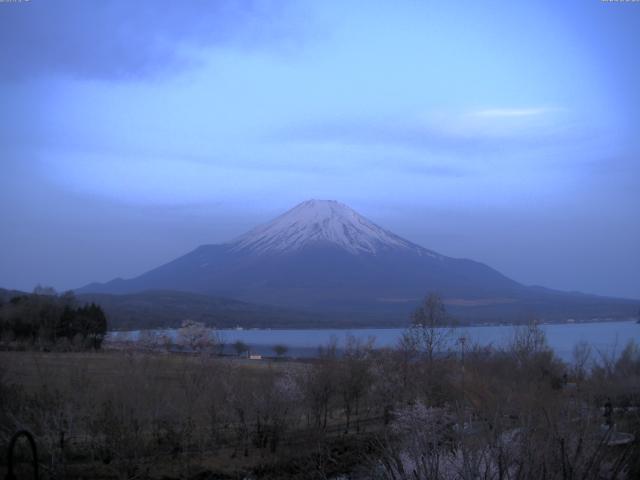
322, 223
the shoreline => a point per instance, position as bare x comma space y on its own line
389, 327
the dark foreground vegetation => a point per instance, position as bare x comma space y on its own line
405, 413
47, 321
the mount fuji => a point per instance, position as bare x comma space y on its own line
323, 256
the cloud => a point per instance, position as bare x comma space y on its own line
377, 132
512, 112
469, 132
130, 39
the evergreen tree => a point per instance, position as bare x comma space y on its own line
43, 319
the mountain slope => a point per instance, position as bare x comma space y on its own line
320, 253
323, 256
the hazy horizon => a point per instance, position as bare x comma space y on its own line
131, 133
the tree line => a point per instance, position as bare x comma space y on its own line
45, 319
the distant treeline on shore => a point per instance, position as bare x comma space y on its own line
47, 320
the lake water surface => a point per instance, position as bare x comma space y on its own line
605, 337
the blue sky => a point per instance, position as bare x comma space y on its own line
131, 132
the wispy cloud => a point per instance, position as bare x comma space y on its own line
460, 133
513, 112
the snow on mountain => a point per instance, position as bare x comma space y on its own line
323, 223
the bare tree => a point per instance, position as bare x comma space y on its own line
280, 350
528, 339
319, 383
355, 376
431, 327
582, 352
240, 347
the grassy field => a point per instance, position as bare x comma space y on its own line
32, 370
173, 396
367, 414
